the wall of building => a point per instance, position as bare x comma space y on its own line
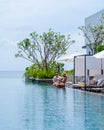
93, 20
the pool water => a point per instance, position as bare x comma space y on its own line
34, 106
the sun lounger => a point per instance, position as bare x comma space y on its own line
97, 89
93, 86
78, 86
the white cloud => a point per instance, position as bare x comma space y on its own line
7, 56
22, 13
18, 18
7, 44
77, 46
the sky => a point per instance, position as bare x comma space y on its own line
18, 18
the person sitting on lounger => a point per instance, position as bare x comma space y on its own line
62, 81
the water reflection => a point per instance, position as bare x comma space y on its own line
33, 112
48, 108
29, 106
88, 110
45, 108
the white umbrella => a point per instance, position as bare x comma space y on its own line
100, 55
69, 57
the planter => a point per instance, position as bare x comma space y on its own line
43, 80
38, 80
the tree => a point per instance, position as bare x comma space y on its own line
94, 35
43, 49
100, 48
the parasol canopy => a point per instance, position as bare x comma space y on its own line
69, 57
100, 55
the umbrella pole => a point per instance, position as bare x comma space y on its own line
85, 71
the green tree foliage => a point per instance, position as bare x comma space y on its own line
39, 73
35, 71
70, 72
100, 48
94, 35
42, 50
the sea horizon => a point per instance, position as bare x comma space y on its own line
11, 74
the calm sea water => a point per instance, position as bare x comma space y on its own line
33, 106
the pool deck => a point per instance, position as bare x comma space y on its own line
90, 88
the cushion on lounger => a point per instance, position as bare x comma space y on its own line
81, 83
100, 82
92, 82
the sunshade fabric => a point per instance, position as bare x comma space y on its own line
69, 57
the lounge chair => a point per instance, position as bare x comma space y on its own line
79, 85
95, 85
100, 89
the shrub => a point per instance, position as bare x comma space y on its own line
100, 48
70, 72
35, 72
39, 73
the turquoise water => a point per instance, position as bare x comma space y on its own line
31, 106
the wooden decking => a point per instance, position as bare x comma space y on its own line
91, 88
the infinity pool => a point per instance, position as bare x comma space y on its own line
33, 106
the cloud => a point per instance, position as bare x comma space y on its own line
28, 15
5, 43
77, 46
18, 18
8, 49
19, 13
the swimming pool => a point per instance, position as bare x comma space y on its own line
33, 106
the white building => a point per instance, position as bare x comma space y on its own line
93, 20
87, 65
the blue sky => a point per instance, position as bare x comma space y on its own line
18, 18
